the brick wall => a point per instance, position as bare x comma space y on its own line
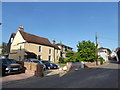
34, 68
89, 64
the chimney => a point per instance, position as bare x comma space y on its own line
60, 42
53, 41
21, 28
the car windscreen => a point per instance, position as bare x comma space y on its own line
37, 62
45, 61
8, 61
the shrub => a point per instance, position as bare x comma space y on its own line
62, 60
101, 60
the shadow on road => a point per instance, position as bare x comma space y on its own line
97, 77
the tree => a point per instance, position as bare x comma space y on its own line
86, 51
4, 48
61, 60
69, 53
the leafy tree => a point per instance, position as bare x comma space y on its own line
4, 48
61, 60
69, 53
86, 51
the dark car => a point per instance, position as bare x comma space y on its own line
36, 61
10, 66
50, 65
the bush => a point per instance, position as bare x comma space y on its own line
62, 60
101, 60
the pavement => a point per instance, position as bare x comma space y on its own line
24, 76
104, 76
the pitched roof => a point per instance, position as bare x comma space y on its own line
36, 39
13, 34
64, 45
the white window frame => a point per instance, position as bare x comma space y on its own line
50, 51
40, 48
50, 58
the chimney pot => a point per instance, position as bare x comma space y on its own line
21, 28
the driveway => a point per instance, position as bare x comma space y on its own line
24, 76
105, 76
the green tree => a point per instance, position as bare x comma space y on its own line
70, 53
61, 60
4, 48
86, 51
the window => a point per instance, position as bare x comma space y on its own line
50, 51
57, 57
49, 58
39, 57
40, 49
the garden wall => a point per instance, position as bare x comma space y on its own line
74, 65
89, 64
34, 68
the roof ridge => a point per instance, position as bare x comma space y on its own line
33, 35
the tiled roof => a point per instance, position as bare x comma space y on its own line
13, 34
36, 39
64, 45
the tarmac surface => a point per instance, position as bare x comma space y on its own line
104, 76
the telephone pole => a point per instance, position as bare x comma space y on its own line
96, 39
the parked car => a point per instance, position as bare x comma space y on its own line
36, 61
50, 65
10, 66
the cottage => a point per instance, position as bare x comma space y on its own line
23, 45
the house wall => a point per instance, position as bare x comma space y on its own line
17, 46
104, 55
44, 51
57, 54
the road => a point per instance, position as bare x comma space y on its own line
105, 76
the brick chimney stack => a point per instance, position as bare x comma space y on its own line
21, 28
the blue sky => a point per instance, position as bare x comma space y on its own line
68, 22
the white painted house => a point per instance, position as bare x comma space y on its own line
103, 52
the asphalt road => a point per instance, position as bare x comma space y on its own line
105, 76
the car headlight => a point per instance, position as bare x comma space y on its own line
7, 68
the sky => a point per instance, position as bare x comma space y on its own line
68, 22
